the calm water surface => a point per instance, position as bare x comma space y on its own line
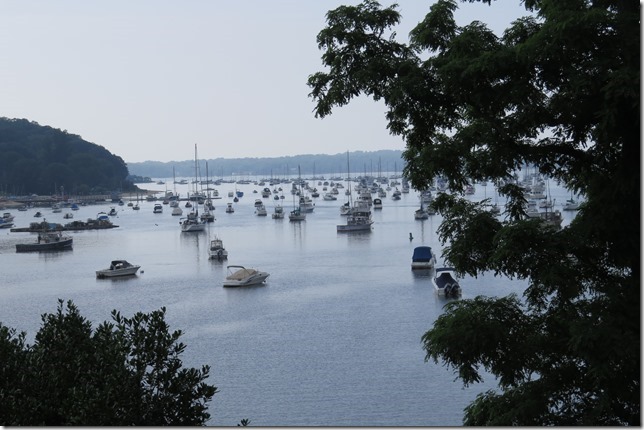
332, 338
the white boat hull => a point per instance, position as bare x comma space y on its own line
107, 273
113, 272
244, 277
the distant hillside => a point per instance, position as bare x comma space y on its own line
361, 163
44, 160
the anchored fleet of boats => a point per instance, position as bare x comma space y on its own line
356, 214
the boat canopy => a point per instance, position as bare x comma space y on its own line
422, 253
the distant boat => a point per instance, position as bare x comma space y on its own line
358, 214
260, 210
423, 258
358, 219
217, 250
278, 213
118, 268
47, 242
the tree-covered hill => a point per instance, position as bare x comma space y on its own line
44, 160
361, 163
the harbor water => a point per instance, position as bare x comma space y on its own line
332, 339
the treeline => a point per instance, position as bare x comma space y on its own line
360, 163
44, 160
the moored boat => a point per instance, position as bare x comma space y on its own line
217, 250
423, 258
240, 276
118, 268
47, 242
445, 283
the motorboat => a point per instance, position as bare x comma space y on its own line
445, 283
329, 197
102, 216
7, 217
158, 208
112, 212
229, 208
377, 203
49, 241
260, 210
217, 250
358, 219
423, 258
207, 216
118, 268
239, 276
177, 211
5, 224
278, 213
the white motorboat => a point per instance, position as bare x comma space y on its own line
358, 219
445, 283
423, 258
279, 212
377, 203
421, 214
118, 268
229, 208
177, 211
239, 276
217, 250
260, 210
158, 208
329, 197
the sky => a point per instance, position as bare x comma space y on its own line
149, 79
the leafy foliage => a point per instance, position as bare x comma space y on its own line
559, 89
123, 373
41, 159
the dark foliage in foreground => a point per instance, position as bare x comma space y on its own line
560, 90
123, 373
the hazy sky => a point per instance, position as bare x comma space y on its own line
147, 79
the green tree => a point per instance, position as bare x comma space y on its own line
123, 373
559, 89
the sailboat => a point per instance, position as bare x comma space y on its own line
174, 198
297, 214
571, 204
192, 223
207, 215
358, 215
